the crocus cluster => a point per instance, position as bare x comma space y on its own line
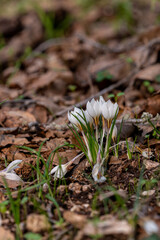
96, 125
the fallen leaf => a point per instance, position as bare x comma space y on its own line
109, 194
150, 164
108, 227
75, 219
6, 234
148, 193
37, 223
149, 73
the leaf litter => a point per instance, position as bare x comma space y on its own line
41, 80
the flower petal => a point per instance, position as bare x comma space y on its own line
90, 109
12, 166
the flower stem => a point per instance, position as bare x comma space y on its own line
86, 142
97, 133
106, 147
102, 137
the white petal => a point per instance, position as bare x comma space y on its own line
90, 109
93, 102
54, 170
151, 227
12, 166
105, 112
77, 110
72, 118
11, 176
88, 117
114, 132
59, 171
95, 172
101, 100
97, 108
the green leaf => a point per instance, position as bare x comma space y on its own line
24, 200
146, 83
151, 89
158, 78
129, 60
32, 236
72, 88
111, 95
102, 75
120, 94
152, 237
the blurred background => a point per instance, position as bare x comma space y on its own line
63, 51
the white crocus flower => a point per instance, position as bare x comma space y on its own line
109, 110
61, 170
98, 170
94, 109
114, 133
9, 174
101, 100
12, 166
89, 119
73, 117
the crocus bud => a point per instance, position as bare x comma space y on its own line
59, 171
98, 170
10, 176
114, 133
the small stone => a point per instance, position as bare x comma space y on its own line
75, 187
45, 187
85, 188
61, 189
90, 196
148, 193
6, 234
37, 223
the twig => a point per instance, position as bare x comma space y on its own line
104, 48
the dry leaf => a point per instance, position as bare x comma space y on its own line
150, 164
6, 234
37, 223
108, 227
75, 219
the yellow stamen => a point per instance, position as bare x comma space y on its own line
103, 122
139, 149
96, 119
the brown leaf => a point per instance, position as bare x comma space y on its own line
107, 227
6, 234
149, 73
11, 139
16, 118
119, 192
153, 104
75, 219
37, 223
10, 182
18, 80
150, 164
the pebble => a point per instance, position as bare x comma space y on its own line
75, 187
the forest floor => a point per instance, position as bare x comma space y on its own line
53, 59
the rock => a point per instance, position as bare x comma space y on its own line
75, 187
37, 223
85, 188
75, 219
6, 234
61, 189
